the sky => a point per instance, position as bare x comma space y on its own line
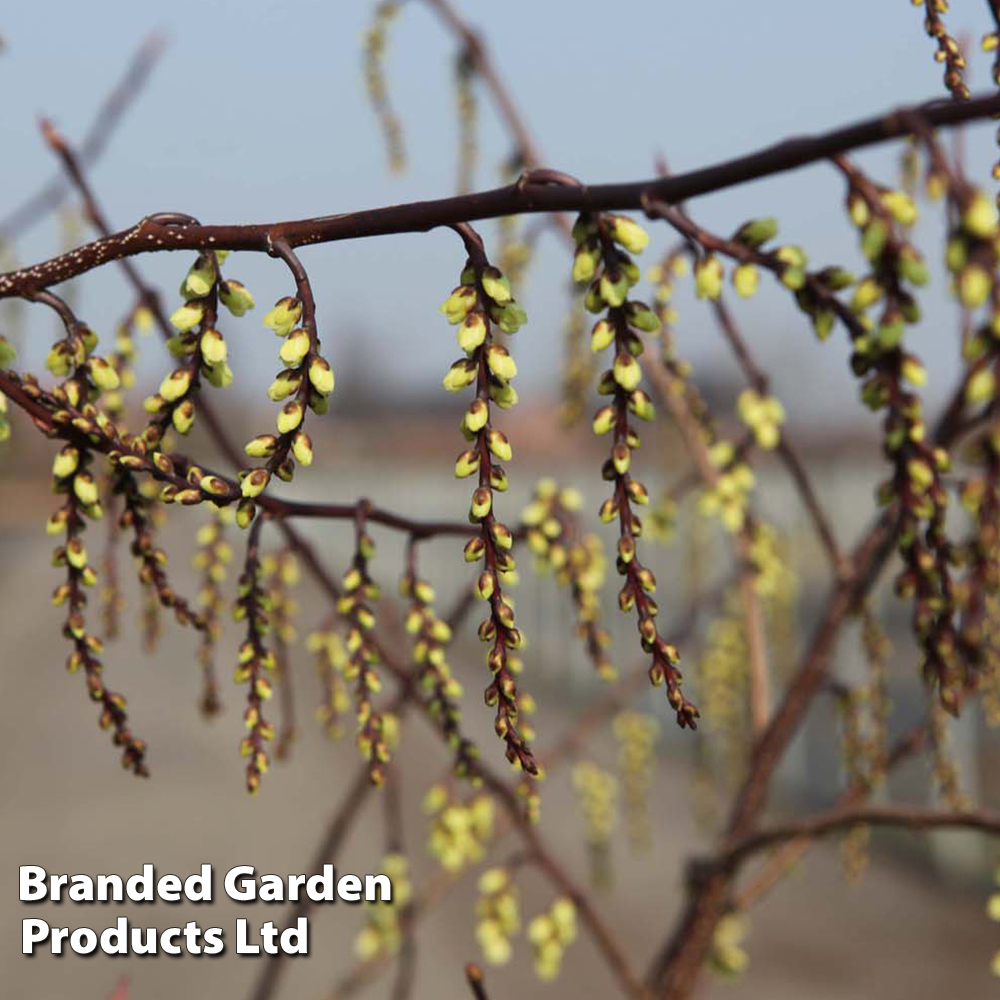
258, 112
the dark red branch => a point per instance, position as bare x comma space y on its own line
157, 233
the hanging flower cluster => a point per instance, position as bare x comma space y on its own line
577, 561
481, 300
604, 244
459, 831
330, 654
354, 607
431, 636
550, 935
498, 915
256, 664
383, 932
305, 382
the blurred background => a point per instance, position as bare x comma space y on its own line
257, 111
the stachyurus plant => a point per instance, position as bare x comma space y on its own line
745, 687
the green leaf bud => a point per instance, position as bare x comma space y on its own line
283, 318
642, 317
220, 375
835, 278
756, 232
874, 239
621, 456
584, 227
912, 267
613, 289
641, 405
510, 317
182, 344
235, 297
504, 395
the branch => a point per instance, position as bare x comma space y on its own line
169, 231
907, 817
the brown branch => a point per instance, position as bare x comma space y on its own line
170, 231
474, 977
908, 817
789, 853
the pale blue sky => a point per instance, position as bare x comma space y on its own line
258, 112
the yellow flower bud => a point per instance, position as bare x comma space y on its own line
295, 348
302, 448
213, 347
235, 297
283, 317
254, 483
188, 316
321, 376
289, 416
175, 385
